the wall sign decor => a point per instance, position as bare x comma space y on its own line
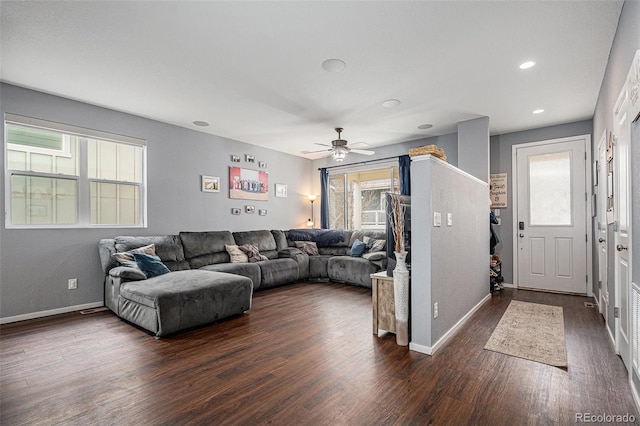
210, 184
249, 158
498, 190
281, 190
235, 158
250, 209
262, 212
235, 211
247, 184
262, 164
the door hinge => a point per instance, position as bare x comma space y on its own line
599, 284
616, 312
587, 278
586, 237
585, 155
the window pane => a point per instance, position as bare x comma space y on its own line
33, 152
114, 204
32, 138
366, 198
43, 200
114, 161
336, 202
550, 189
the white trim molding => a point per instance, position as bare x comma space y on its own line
48, 313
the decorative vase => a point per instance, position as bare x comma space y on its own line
401, 298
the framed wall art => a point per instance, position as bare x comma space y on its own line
247, 184
281, 190
210, 184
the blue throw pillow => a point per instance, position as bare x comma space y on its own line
151, 265
358, 248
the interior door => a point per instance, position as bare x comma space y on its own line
601, 234
552, 216
622, 226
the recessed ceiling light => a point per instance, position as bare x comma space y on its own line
425, 126
527, 65
538, 111
201, 123
391, 103
333, 65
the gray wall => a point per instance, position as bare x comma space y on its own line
501, 163
36, 264
473, 147
625, 43
450, 264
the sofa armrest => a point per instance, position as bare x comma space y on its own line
127, 274
290, 252
302, 259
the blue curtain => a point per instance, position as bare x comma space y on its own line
405, 174
324, 198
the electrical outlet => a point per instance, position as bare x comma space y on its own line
73, 283
435, 310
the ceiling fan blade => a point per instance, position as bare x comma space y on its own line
359, 144
322, 144
315, 152
363, 151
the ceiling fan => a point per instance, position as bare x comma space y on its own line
338, 148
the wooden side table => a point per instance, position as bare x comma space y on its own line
384, 310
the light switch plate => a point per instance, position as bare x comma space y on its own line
449, 219
437, 219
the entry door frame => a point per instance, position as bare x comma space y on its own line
589, 208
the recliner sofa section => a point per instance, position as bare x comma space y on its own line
203, 285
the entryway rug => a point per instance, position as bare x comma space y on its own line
531, 331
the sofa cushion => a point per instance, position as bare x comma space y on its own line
318, 266
335, 251
262, 239
252, 252
281, 239
373, 245
278, 271
184, 299
151, 265
376, 255
206, 248
249, 270
358, 248
168, 249
359, 235
236, 255
308, 247
353, 270
126, 258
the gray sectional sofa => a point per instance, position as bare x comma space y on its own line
203, 286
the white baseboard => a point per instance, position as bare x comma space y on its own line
41, 314
634, 392
508, 285
429, 350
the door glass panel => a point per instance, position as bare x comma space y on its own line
550, 189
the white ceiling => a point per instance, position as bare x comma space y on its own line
253, 69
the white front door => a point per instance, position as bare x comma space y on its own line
601, 231
622, 226
551, 215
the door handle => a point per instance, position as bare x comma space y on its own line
521, 235
620, 247
601, 240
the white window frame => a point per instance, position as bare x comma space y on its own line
357, 168
83, 205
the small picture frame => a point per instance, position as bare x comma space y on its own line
235, 211
235, 158
281, 190
250, 209
210, 184
249, 158
262, 164
262, 212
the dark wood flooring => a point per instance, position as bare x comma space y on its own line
304, 354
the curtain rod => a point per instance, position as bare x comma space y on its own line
361, 162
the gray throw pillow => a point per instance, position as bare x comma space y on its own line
252, 252
376, 255
308, 247
374, 245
